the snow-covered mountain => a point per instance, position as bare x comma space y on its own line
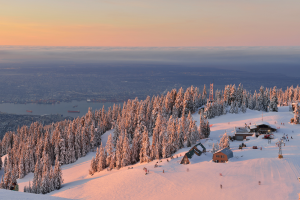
201, 179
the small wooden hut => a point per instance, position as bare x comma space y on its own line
223, 155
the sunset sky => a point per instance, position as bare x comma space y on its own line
150, 22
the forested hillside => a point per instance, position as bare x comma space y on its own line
143, 131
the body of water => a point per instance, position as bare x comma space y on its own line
61, 108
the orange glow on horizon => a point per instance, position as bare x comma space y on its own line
145, 24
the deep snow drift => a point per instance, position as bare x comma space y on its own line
200, 179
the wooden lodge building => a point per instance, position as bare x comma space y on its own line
262, 128
198, 149
241, 133
222, 156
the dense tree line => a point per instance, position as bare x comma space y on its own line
167, 119
37, 148
235, 100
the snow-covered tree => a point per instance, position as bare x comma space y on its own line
244, 108
101, 160
126, 157
58, 180
232, 107
224, 141
273, 101
145, 150
109, 149
297, 115
93, 167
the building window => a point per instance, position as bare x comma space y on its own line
217, 156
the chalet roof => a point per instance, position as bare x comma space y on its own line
198, 147
262, 123
227, 152
241, 130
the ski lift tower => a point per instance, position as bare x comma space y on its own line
211, 93
280, 149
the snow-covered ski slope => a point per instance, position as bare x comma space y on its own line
201, 179
12, 195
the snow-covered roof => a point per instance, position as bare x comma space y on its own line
262, 123
227, 152
241, 130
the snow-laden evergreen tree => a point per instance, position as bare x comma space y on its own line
244, 108
21, 168
207, 129
155, 138
172, 134
58, 180
112, 163
236, 108
93, 141
239, 95
260, 100
273, 101
266, 101
7, 178
93, 167
232, 107
2, 185
102, 159
145, 150
232, 94
227, 94
136, 145
126, 158
194, 133
62, 145
35, 185
180, 135
165, 149
71, 150
224, 111
257, 102
297, 115
245, 98
78, 142
216, 145
51, 180
109, 149
250, 103
224, 141
213, 148
202, 126
119, 151
45, 186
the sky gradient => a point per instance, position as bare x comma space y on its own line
150, 23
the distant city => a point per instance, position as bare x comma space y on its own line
50, 85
